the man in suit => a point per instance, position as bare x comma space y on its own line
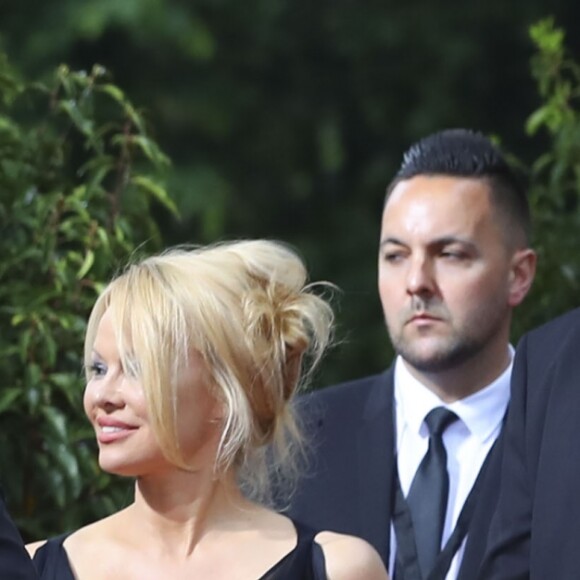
15, 563
536, 528
453, 263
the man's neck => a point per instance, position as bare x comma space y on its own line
462, 380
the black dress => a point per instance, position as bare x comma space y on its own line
304, 562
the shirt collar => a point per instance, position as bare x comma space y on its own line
481, 412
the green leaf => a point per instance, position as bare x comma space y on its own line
157, 191
55, 421
84, 124
113, 91
86, 265
536, 120
7, 397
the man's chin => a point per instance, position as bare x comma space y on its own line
431, 358
437, 360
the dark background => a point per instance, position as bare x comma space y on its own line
287, 118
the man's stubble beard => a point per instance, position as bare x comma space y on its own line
455, 349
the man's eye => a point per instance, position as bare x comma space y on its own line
392, 257
454, 255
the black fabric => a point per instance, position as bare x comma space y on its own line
406, 560
304, 562
535, 530
14, 561
318, 562
429, 491
407, 563
349, 483
51, 560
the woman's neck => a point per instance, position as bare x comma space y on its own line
177, 510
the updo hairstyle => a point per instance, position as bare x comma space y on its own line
247, 309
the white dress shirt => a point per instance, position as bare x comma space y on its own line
467, 440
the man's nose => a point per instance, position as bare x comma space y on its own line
420, 276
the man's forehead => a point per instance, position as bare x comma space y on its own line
439, 186
425, 196
437, 208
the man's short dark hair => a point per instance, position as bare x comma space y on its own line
469, 154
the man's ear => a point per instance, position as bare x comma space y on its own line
523, 270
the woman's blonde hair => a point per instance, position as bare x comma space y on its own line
247, 309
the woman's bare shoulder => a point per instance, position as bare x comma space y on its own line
83, 536
350, 558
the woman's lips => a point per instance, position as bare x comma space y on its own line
110, 430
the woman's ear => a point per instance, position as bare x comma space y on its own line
292, 375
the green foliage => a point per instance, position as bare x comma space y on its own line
555, 176
287, 118
77, 187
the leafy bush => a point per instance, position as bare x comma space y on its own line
77, 189
555, 177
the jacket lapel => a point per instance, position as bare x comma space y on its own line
376, 456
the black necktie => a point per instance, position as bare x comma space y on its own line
428, 495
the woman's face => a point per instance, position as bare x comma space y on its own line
116, 405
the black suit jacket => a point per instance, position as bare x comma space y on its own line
536, 530
348, 487
14, 561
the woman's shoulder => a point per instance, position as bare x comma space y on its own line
350, 558
90, 540
53, 543
79, 550
86, 535
50, 558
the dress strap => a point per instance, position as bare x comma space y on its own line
311, 550
51, 560
318, 562
304, 562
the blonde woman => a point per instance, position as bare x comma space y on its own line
192, 360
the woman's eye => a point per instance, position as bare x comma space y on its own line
97, 369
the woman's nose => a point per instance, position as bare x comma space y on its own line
106, 392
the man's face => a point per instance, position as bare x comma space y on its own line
445, 270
